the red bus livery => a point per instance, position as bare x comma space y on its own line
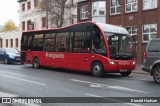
92, 47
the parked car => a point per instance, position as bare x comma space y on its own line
152, 59
9, 55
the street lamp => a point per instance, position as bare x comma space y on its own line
30, 25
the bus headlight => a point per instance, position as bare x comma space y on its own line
112, 62
134, 63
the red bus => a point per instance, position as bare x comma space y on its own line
88, 46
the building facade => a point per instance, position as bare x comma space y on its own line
33, 18
140, 17
10, 39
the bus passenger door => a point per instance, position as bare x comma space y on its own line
81, 56
81, 61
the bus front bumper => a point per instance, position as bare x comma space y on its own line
120, 66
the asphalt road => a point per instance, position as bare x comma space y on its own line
24, 81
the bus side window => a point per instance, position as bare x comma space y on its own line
98, 45
30, 39
62, 42
49, 42
38, 42
24, 42
86, 42
47, 45
71, 42
78, 40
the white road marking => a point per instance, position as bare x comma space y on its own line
132, 104
3, 94
23, 80
124, 88
92, 84
118, 80
93, 95
96, 86
75, 80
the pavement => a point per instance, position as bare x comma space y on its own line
139, 70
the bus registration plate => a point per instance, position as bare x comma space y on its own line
123, 70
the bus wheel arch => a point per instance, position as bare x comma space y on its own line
35, 62
97, 68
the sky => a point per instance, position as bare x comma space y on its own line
9, 10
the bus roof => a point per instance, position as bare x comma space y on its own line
112, 28
85, 26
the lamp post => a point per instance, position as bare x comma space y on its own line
30, 25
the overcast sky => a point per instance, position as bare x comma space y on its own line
9, 10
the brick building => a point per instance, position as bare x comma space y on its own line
140, 17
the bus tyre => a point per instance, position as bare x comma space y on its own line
156, 74
35, 63
125, 74
97, 69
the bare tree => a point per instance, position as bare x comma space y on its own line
57, 11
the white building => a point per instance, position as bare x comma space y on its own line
10, 39
31, 18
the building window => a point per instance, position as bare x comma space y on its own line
98, 8
115, 7
6, 42
149, 32
1, 43
35, 3
84, 12
23, 7
149, 4
16, 42
23, 26
11, 42
29, 5
44, 22
131, 5
28, 24
133, 32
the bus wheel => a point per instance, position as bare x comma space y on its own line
156, 74
125, 73
35, 63
97, 69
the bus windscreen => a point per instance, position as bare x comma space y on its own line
120, 46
